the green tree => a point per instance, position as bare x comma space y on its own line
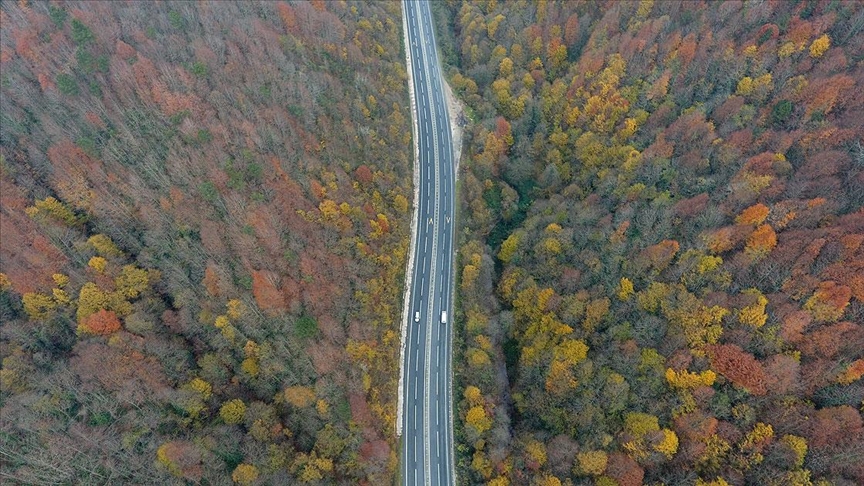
81, 34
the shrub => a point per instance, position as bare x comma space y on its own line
81, 34
67, 84
781, 112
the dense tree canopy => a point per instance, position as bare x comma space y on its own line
664, 261
205, 223
204, 229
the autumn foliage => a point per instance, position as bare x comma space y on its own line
660, 226
181, 459
754, 215
683, 195
828, 301
739, 367
201, 206
761, 241
103, 322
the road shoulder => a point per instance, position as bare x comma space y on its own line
458, 120
409, 267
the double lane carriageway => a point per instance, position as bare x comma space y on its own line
426, 424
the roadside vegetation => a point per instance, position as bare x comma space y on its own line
662, 259
205, 217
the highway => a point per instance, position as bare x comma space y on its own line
426, 402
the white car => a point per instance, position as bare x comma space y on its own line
416, 317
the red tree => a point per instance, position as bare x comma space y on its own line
624, 470
571, 30
738, 366
265, 291
101, 323
289, 18
660, 255
835, 425
363, 175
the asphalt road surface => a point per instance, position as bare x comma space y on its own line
427, 431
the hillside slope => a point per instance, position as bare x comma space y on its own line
662, 274
205, 216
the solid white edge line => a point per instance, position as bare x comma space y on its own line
426, 373
448, 341
409, 265
414, 224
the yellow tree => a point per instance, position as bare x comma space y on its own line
754, 315
535, 451
299, 396
668, 445
701, 325
471, 271
819, 46
716, 482
688, 380
625, 289
798, 445
651, 298
590, 463
546, 479
509, 247
560, 379
643, 430
53, 208
505, 67
829, 302
104, 246
235, 309
473, 395
91, 299
38, 306
481, 463
754, 442
201, 387
714, 454
233, 411
245, 474
492, 25
98, 263
477, 419
639, 424
132, 281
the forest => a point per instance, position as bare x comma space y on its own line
204, 223
205, 220
661, 271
